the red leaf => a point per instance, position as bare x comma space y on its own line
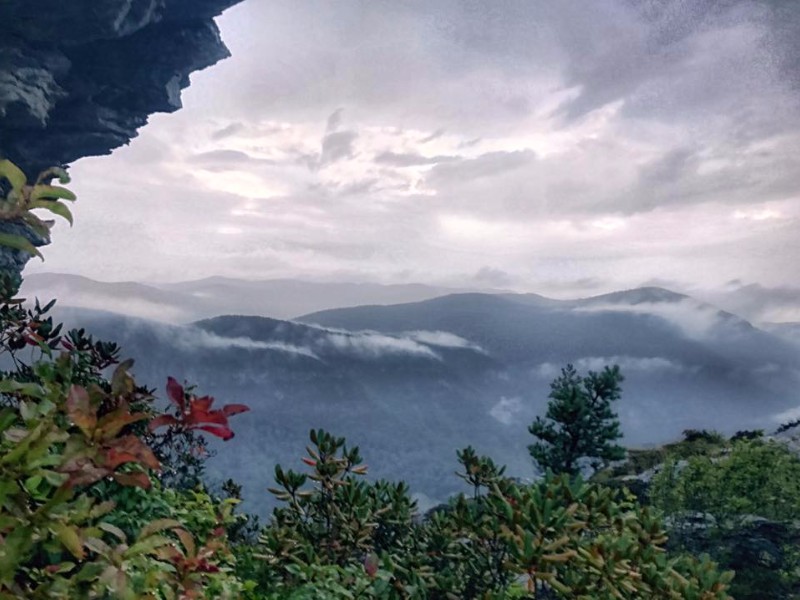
206, 567
114, 422
371, 564
309, 462
221, 432
215, 417
115, 458
203, 403
130, 449
234, 409
161, 421
175, 393
87, 475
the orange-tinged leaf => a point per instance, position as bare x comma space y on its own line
234, 409
111, 424
203, 404
130, 449
221, 432
198, 417
121, 380
157, 526
80, 411
187, 540
162, 421
133, 480
85, 474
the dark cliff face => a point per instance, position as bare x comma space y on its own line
79, 78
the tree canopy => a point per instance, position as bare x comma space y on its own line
580, 427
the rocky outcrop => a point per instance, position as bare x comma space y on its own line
79, 78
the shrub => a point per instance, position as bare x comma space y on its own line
740, 506
72, 451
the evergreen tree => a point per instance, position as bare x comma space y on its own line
580, 423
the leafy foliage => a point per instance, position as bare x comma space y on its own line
71, 444
740, 505
560, 536
580, 425
18, 199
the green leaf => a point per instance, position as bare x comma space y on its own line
9, 386
7, 419
48, 174
53, 478
148, 545
13, 173
113, 530
68, 535
51, 192
55, 207
32, 483
19, 243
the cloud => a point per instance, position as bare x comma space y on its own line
762, 304
695, 319
190, 338
411, 159
507, 410
376, 345
494, 277
227, 131
443, 339
337, 146
435, 135
334, 120
628, 364
485, 165
220, 160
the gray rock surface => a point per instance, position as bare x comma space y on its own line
79, 78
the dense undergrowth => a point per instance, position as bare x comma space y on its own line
102, 497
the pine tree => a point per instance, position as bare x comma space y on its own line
580, 423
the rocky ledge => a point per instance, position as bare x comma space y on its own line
79, 78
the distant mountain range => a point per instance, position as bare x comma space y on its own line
412, 382
193, 300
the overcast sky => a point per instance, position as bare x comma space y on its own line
561, 147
